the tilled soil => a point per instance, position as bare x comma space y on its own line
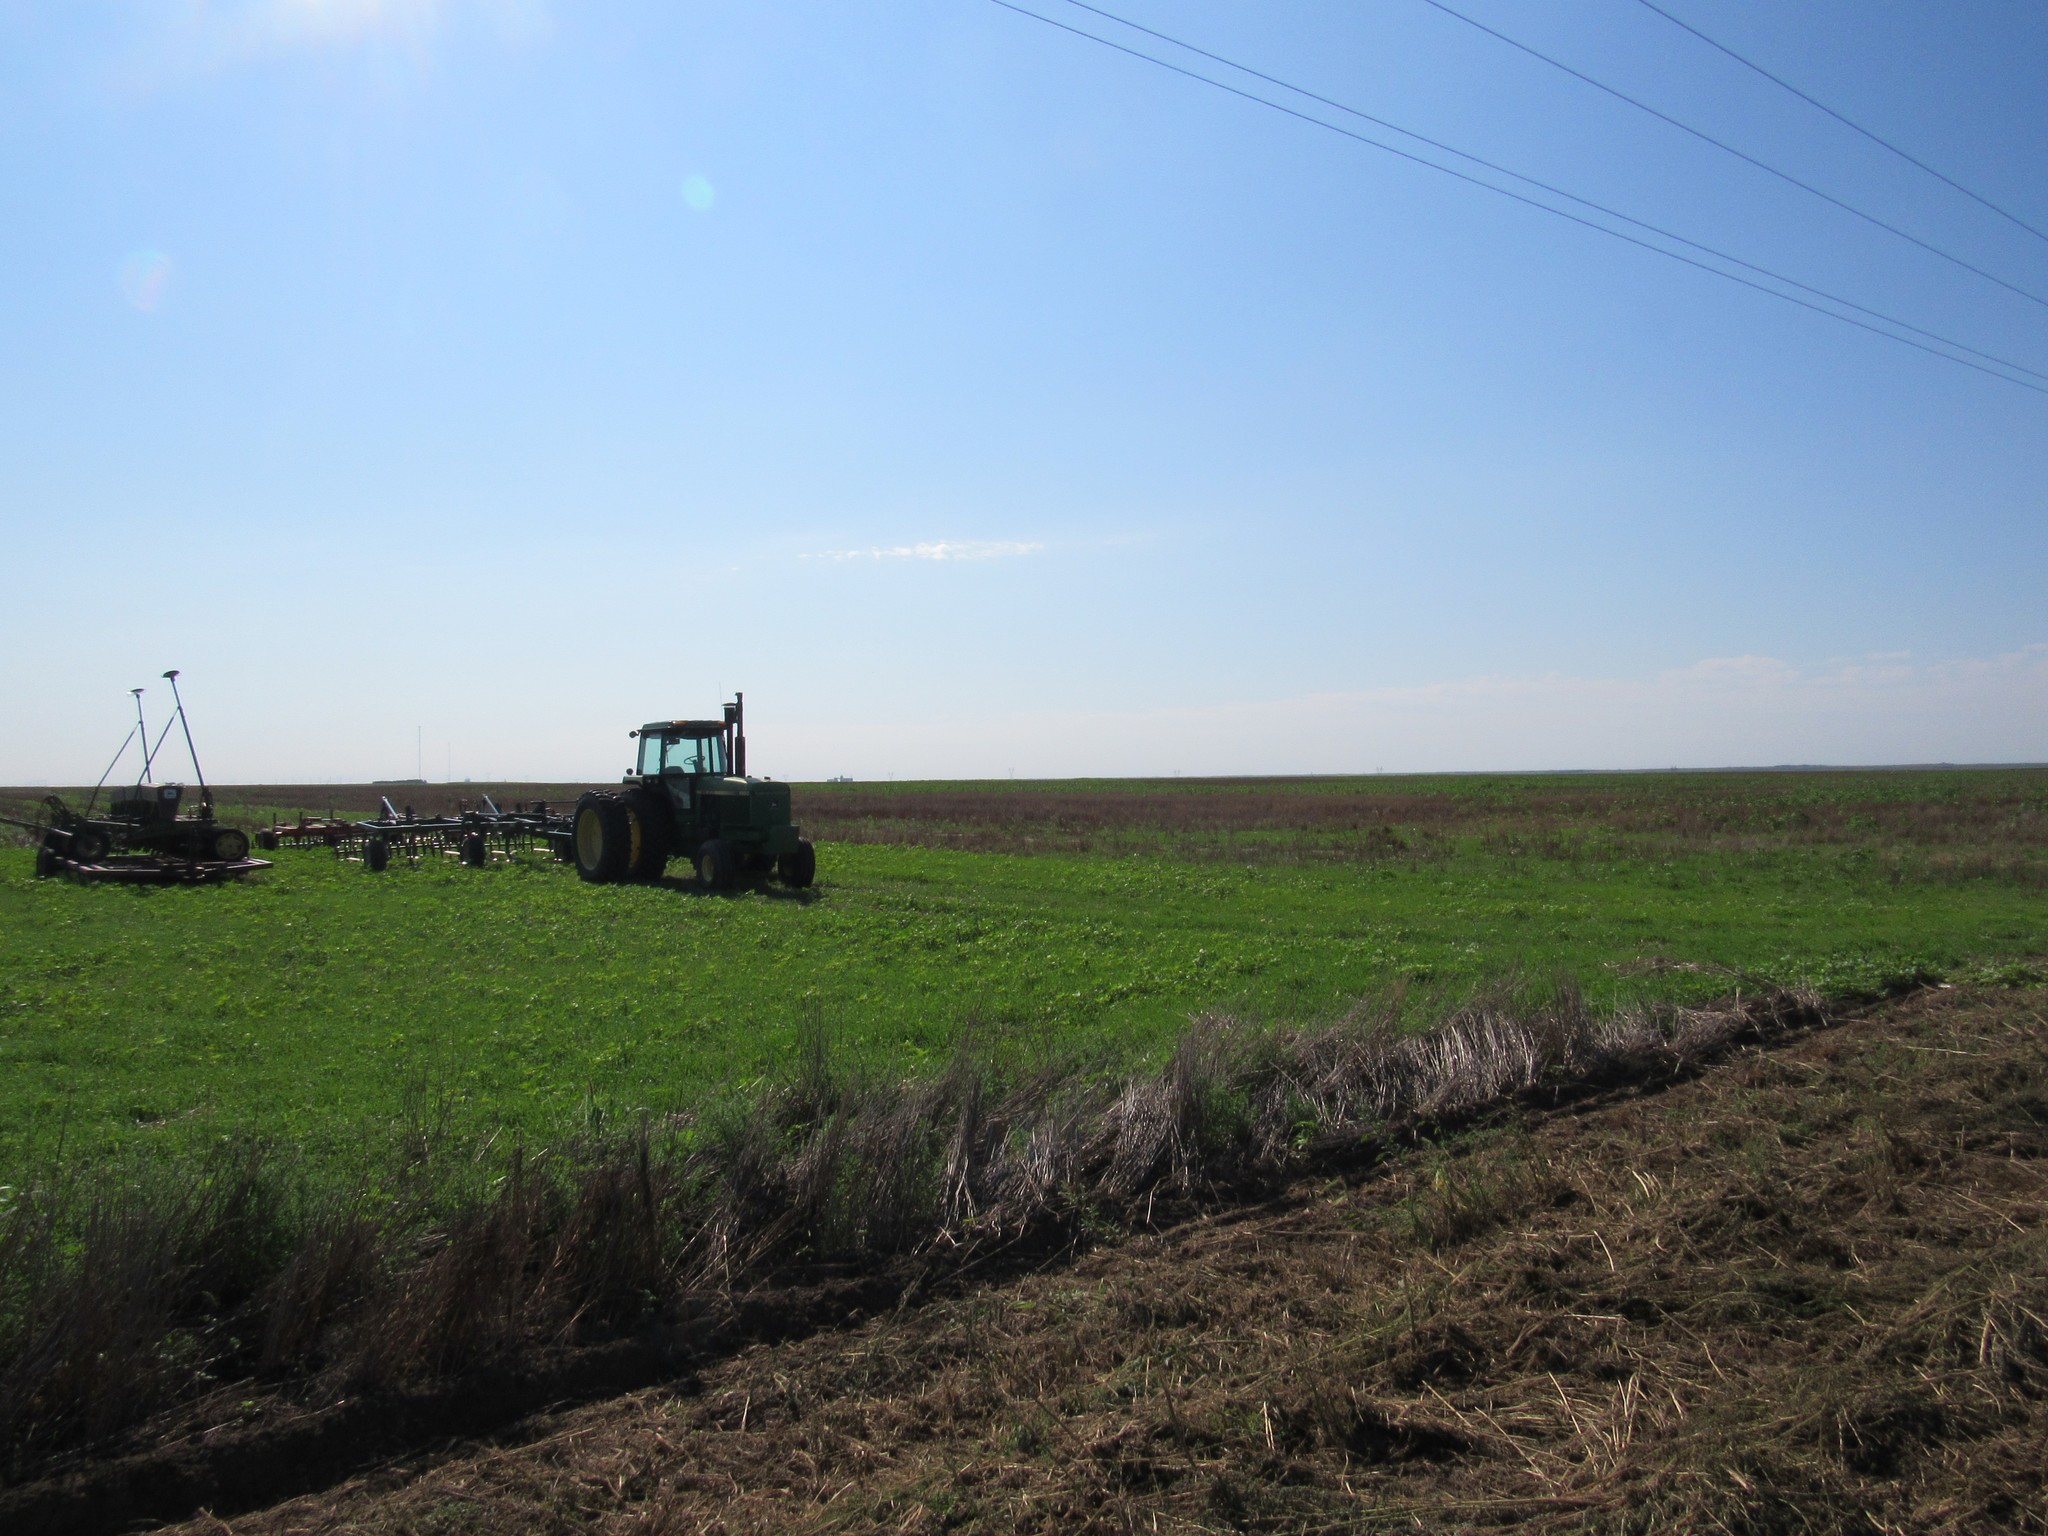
1806, 1290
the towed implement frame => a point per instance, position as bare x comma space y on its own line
473, 834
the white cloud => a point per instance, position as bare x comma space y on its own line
942, 549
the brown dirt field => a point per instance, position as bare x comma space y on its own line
1997, 822
1806, 1290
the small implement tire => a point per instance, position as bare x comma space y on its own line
716, 865
563, 848
229, 844
799, 866
474, 852
89, 845
604, 838
648, 820
267, 840
376, 855
46, 858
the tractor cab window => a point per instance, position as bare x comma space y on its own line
694, 754
650, 754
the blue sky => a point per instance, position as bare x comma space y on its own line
497, 374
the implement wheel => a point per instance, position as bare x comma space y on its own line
604, 838
799, 867
267, 840
376, 855
717, 866
475, 853
46, 858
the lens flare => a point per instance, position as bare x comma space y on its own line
144, 277
697, 192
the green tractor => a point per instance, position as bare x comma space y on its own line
690, 797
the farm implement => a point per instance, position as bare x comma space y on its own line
306, 832
688, 797
472, 834
145, 836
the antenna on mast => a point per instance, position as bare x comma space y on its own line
144, 731
205, 794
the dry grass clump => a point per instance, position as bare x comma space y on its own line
118, 1301
1803, 1293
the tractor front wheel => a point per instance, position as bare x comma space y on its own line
604, 838
799, 866
89, 845
716, 865
230, 843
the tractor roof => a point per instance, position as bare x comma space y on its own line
684, 728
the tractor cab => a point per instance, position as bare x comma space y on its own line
689, 757
680, 753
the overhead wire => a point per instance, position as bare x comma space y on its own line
1847, 122
1741, 154
1557, 191
1518, 197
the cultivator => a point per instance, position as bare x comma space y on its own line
474, 835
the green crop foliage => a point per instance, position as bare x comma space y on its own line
332, 1010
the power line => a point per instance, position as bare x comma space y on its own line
1531, 202
1784, 84
1743, 155
1557, 191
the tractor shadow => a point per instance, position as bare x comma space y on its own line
771, 890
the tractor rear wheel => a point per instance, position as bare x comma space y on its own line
716, 864
649, 847
799, 866
376, 855
474, 853
230, 843
604, 837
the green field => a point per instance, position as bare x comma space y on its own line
334, 1010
